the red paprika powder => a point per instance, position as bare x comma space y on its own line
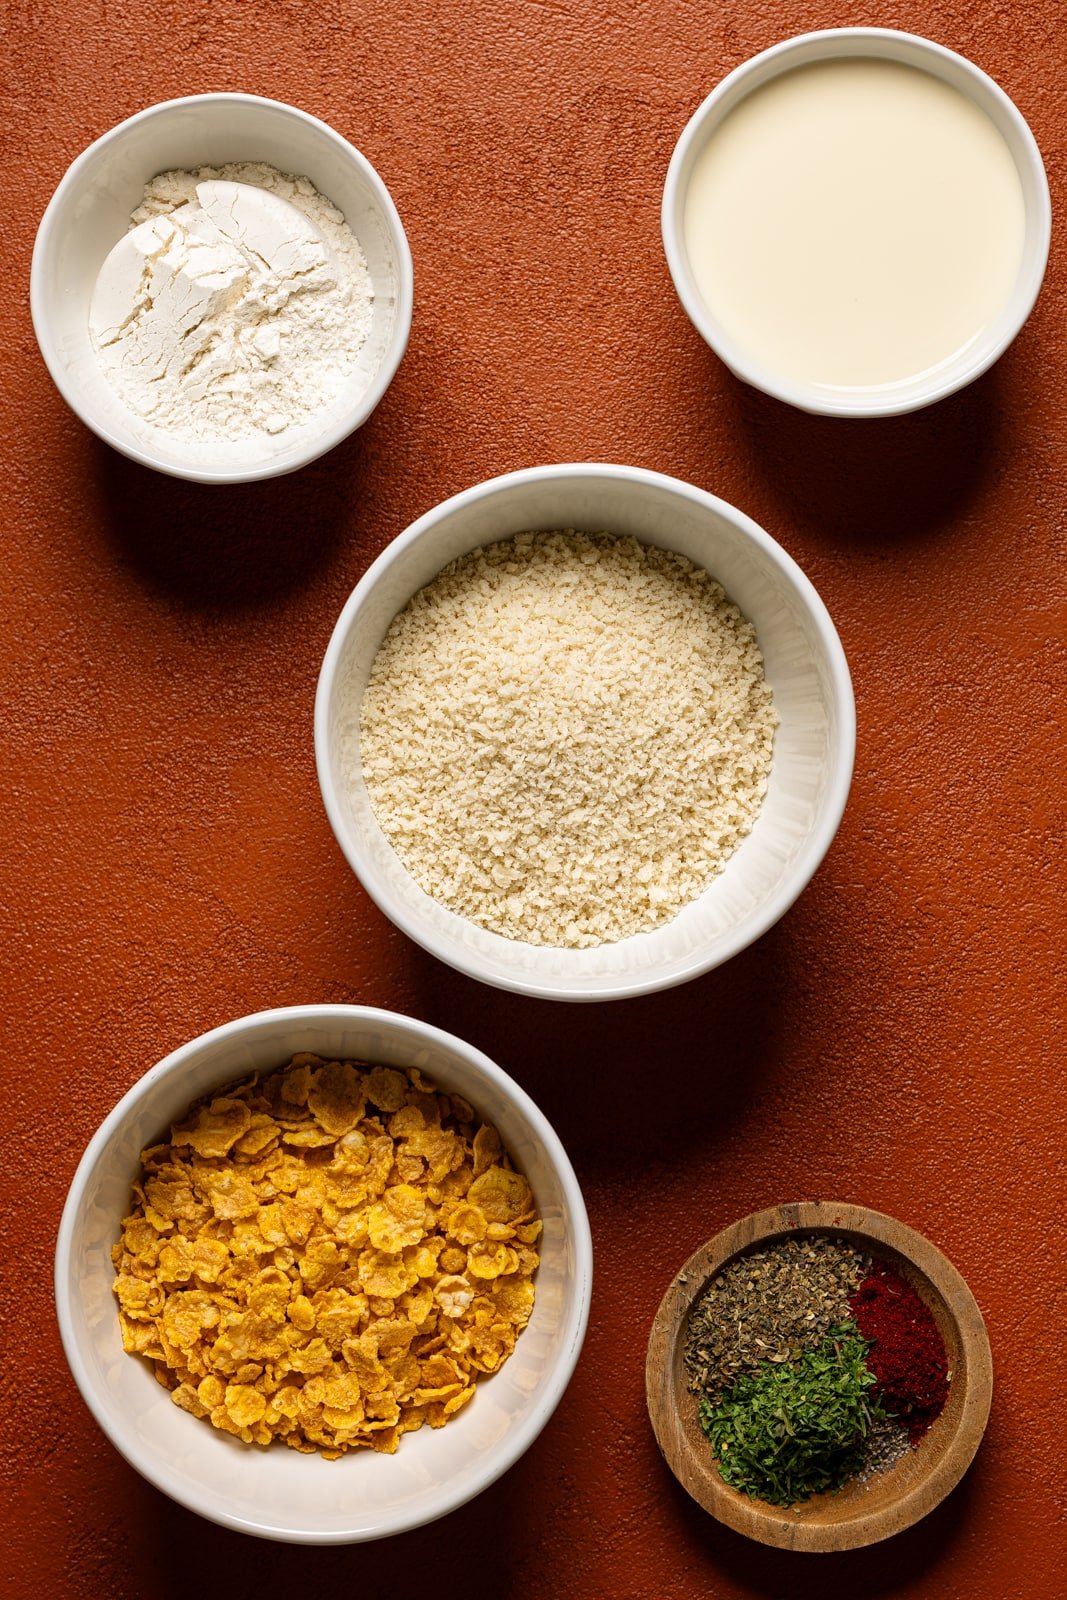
907, 1353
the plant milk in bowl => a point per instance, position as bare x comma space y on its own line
857, 221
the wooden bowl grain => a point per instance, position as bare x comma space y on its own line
860, 1513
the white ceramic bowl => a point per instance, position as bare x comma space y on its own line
959, 73
813, 750
90, 211
275, 1492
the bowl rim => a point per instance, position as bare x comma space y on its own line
842, 42
488, 1467
817, 844
773, 1525
340, 428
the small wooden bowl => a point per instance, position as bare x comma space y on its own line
859, 1513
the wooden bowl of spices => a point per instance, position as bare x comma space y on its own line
831, 1364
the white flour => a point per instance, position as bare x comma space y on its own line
235, 309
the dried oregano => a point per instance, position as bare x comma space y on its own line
769, 1306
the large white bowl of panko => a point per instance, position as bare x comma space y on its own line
584, 731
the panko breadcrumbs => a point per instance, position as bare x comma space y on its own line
565, 736
331, 1255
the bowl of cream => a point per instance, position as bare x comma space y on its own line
222, 288
857, 221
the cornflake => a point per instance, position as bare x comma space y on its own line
331, 1255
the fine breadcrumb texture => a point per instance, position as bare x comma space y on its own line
332, 1256
565, 736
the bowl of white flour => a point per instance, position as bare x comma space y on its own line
222, 288
584, 731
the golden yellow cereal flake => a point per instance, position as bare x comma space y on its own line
332, 1256
215, 1128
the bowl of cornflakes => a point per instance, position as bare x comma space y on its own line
323, 1274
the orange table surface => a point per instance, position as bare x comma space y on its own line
167, 864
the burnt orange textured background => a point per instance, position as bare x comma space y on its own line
167, 863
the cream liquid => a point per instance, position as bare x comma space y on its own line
854, 224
